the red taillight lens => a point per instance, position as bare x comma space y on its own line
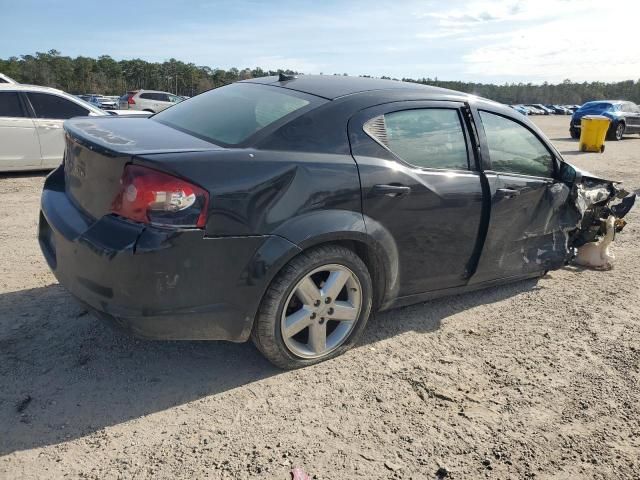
130, 100
157, 198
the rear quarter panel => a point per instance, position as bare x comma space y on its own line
255, 192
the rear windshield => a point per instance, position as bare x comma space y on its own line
230, 115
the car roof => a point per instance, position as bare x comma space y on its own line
335, 86
7, 78
612, 102
151, 91
31, 88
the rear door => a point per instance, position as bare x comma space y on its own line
530, 215
19, 144
50, 113
419, 184
164, 101
148, 101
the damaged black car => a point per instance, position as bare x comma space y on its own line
287, 210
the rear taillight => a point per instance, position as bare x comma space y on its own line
130, 100
157, 198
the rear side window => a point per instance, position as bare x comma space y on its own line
428, 138
148, 96
514, 148
10, 105
230, 115
52, 106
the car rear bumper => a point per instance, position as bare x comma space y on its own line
156, 283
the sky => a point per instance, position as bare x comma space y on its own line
482, 41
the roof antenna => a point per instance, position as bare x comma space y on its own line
283, 77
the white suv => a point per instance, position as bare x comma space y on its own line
148, 100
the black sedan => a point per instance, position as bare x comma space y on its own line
288, 209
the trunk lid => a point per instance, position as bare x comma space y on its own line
98, 148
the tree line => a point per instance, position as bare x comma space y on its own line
104, 75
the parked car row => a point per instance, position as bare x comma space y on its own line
101, 101
31, 118
152, 101
540, 109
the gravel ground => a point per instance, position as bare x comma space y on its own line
535, 379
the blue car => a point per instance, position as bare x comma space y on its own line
624, 116
520, 109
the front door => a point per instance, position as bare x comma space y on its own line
420, 186
530, 213
19, 146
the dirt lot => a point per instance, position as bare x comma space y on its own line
536, 379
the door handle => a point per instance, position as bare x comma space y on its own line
390, 190
508, 192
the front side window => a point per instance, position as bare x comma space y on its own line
230, 115
514, 148
10, 105
427, 138
55, 107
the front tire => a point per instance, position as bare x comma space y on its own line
618, 132
315, 309
574, 133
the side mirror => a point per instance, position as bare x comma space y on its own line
568, 174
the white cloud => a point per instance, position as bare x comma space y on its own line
590, 43
476, 40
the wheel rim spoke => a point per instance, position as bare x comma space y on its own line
313, 322
335, 283
307, 291
296, 322
344, 312
318, 337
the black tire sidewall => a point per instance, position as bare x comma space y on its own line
350, 260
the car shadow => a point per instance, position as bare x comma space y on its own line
564, 139
29, 174
573, 152
65, 374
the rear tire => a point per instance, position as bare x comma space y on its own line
300, 302
574, 134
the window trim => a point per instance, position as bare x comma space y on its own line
486, 154
33, 109
434, 105
23, 106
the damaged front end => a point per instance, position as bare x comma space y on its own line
601, 206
